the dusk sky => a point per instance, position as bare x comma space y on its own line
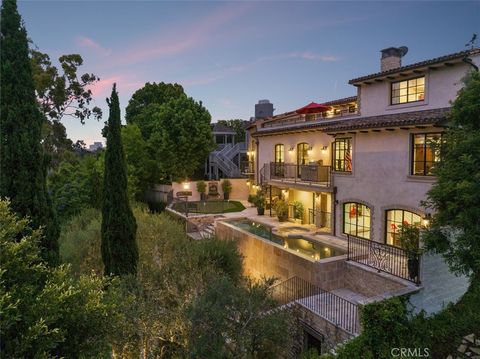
229, 55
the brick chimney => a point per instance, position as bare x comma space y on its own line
392, 58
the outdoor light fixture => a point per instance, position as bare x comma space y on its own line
248, 183
324, 149
310, 149
426, 219
186, 185
290, 149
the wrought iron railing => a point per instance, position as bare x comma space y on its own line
385, 258
247, 167
319, 218
335, 309
309, 173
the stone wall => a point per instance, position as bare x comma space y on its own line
264, 258
368, 282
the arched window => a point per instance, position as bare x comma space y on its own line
395, 218
356, 220
279, 153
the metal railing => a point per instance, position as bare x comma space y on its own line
303, 119
309, 173
339, 311
247, 167
319, 218
385, 258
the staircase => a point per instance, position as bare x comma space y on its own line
222, 159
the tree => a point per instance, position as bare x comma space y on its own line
455, 227
141, 168
119, 248
176, 127
233, 321
45, 311
22, 163
238, 126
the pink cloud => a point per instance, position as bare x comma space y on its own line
90, 43
307, 55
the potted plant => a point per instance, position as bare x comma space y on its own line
202, 188
258, 201
227, 189
298, 210
409, 238
281, 208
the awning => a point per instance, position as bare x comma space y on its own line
313, 107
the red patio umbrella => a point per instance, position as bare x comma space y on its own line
313, 107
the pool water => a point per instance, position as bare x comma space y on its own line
312, 249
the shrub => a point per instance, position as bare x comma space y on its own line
298, 210
281, 208
226, 186
201, 186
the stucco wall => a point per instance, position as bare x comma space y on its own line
442, 86
240, 190
380, 178
266, 147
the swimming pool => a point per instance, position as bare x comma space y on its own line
312, 249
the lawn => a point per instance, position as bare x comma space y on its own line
209, 207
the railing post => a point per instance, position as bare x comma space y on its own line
348, 247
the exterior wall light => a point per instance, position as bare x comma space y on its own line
324, 150
186, 185
290, 150
426, 220
310, 150
248, 183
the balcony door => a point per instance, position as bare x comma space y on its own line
279, 159
302, 156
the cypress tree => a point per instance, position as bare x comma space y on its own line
119, 248
22, 165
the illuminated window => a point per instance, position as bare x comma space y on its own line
356, 220
342, 155
395, 219
279, 153
426, 153
408, 91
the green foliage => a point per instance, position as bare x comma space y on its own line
45, 312
298, 209
231, 321
226, 186
56, 145
281, 208
76, 185
238, 126
201, 186
258, 200
141, 168
455, 230
119, 248
409, 237
22, 164
66, 94
176, 127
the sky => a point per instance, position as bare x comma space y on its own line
229, 55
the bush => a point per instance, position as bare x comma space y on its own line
226, 186
201, 186
298, 210
281, 208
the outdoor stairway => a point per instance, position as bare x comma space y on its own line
223, 158
339, 307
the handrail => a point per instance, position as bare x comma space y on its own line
385, 258
327, 305
312, 173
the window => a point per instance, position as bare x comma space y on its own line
356, 220
408, 91
395, 219
426, 153
342, 155
279, 153
302, 156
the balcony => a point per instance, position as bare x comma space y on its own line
291, 173
247, 167
311, 118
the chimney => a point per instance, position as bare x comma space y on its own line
392, 57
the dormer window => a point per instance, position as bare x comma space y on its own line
407, 91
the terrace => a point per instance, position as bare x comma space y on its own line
311, 174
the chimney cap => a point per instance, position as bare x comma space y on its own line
394, 51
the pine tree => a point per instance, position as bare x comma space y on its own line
22, 165
119, 248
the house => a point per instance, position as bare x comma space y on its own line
227, 158
352, 171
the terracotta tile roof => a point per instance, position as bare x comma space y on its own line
340, 101
457, 55
424, 117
